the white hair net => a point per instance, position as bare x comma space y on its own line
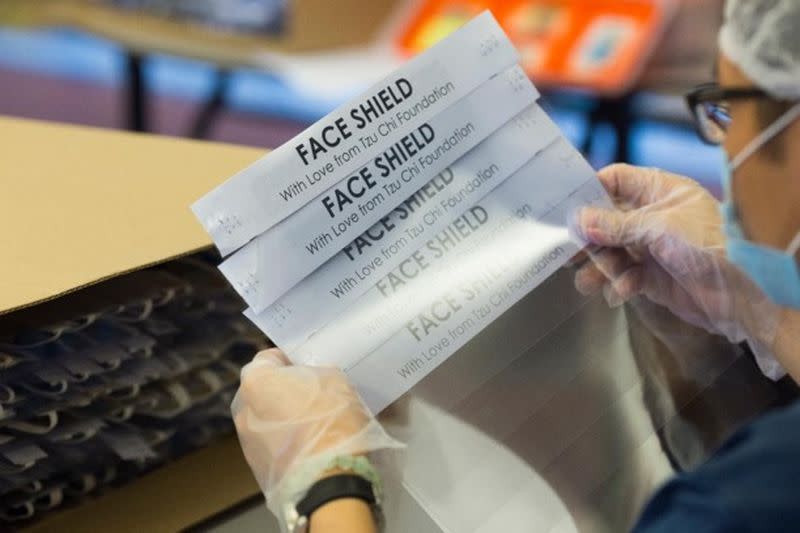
761, 37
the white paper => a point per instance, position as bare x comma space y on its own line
400, 252
404, 337
284, 180
276, 260
329, 290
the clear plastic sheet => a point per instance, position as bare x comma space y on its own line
565, 415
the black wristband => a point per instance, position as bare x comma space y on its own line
334, 488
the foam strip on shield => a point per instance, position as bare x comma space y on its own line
267, 267
287, 178
329, 290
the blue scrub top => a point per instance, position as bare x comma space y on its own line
752, 484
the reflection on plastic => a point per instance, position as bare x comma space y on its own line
569, 415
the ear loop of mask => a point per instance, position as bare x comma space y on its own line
50, 499
794, 246
7, 395
48, 334
765, 136
38, 425
758, 142
84, 484
47, 389
71, 435
21, 511
10, 469
33, 487
8, 360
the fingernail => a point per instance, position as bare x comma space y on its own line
589, 217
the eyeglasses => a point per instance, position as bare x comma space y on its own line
708, 104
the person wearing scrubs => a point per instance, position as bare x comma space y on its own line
731, 268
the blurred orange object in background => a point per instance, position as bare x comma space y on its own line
601, 45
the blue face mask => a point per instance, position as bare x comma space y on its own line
775, 272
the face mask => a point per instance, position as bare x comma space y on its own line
775, 272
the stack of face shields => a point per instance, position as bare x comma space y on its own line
387, 235
96, 399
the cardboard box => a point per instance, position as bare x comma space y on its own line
81, 211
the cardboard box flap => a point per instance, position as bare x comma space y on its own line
79, 205
171, 498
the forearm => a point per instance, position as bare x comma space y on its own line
786, 346
347, 515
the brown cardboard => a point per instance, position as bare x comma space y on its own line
171, 498
79, 205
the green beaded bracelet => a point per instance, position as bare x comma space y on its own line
359, 465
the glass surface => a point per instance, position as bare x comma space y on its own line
713, 119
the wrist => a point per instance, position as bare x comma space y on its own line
786, 345
358, 465
345, 514
760, 320
322, 481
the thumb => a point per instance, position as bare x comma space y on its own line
265, 360
271, 357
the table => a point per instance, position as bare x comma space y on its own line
684, 58
312, 25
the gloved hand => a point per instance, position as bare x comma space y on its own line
665, 241
292, 420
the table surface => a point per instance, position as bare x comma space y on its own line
324, 24
684, 57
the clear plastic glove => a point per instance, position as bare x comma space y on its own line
292, 420
665, 241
